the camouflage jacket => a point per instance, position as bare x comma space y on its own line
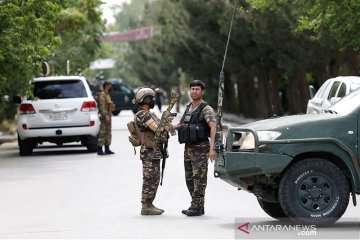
105, 105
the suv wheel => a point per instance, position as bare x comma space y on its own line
272, 209
91, 143
314, 191
25, 146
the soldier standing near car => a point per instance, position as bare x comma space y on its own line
196, 126
106, 106
146, 124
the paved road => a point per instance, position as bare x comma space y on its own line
69, 193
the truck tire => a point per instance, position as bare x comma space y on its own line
91, 143
25, 147
272, 209
314, 191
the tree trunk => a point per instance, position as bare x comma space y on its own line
230, 102
353, 59
246, 95
321, 76
335, 64
262, 101
298, 94
275, 96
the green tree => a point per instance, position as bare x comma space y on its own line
79, 26
270, 50
34, 31
27, 37
329, 29
144, 62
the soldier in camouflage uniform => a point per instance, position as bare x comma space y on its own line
105, 108
197, 125
146, 123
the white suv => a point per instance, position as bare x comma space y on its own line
332, 91
63, 110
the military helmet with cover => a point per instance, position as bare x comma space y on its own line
143, 94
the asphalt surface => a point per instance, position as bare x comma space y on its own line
70, 193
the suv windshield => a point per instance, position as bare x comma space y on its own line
59, 89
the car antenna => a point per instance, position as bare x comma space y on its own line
219, 134
268, 89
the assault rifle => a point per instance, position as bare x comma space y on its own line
160, 133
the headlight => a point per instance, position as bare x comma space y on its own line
268, 135
249, 140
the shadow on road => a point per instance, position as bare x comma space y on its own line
60, 150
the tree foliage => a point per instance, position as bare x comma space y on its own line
27, 37
34, 31
276, 49
337, 18
79, 26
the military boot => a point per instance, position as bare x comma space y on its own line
107, 150
100, 151
194, 211
161, 210
149, 209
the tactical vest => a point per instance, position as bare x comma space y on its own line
191, 129
145, 134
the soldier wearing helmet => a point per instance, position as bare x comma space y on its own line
147, 123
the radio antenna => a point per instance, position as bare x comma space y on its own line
228, 39
219, 134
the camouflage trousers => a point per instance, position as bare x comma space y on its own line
196, 167
151, 174
104, 134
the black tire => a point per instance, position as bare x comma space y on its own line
91, 143
25, 147
272, 209
116, 112
314, 191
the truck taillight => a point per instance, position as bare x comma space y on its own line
88, 106
26, 108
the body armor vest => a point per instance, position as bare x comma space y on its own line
191, 129
145, 134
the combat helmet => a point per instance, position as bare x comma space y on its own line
142, 94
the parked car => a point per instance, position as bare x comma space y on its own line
121, 94
330, 92
62, 109
301, 167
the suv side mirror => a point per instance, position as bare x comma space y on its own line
312, 91
334, 100
17, 99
